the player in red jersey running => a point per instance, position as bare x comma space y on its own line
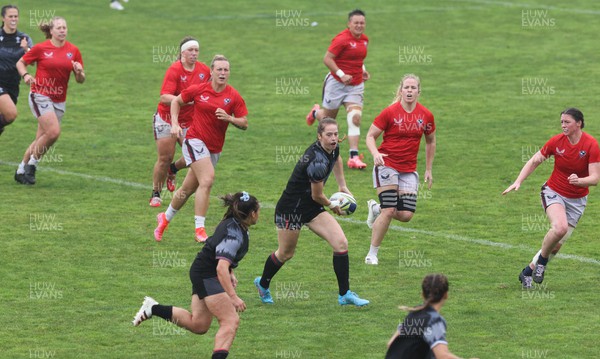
564, 195
181, 74
56, 58
402, 124
216, 105
345, 82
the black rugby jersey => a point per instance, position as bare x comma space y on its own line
419, 333
229, 242
10, 52
314, 166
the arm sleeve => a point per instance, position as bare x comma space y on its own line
548, 148
188, 94
240, 109
318, 169
436, 333
230, 245
169, 83
31, 56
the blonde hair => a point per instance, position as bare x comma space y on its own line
404, 78
217, 58
47, 26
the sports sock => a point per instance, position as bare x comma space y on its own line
543, 261
314, 114
353, 153
272, 266
341, 267
33, 161
170, 213
527, 271
220, 354
199, 221
163, 311
373, 251
173, 168
21, 168
156, 194
3, 122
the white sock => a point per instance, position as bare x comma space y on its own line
33, 161
21, 168
199, 221
377, 210
170, 213
373, 251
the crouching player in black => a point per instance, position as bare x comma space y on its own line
302, 203
213, 280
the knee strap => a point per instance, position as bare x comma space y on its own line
353, 130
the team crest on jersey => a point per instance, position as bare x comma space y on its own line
201, 76
559, 152
366, 43
582, 153
352, 45
48, 55
204, 98
227, 101
183, 78
420, 122
69, 54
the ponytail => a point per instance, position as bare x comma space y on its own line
435, 287
239, 205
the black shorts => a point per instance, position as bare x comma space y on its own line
204, 287
293, 215
11, 91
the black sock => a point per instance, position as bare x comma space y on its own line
173, 168
272, 266
220, 354
156, 194
527, 271
314, 114
353, 153
541, 260
163, 311
3, 122
341, 266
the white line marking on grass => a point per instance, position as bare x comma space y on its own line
532, 6
454, 237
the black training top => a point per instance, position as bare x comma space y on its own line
229, 242
314, 166
419, 333
10, 52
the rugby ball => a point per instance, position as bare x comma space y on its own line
347, 202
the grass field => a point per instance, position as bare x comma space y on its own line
78, 254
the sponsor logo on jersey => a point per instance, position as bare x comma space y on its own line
1, 38
582, 153
183, 78
48, 55
352, 45
204, 98
559, 152
398, 122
